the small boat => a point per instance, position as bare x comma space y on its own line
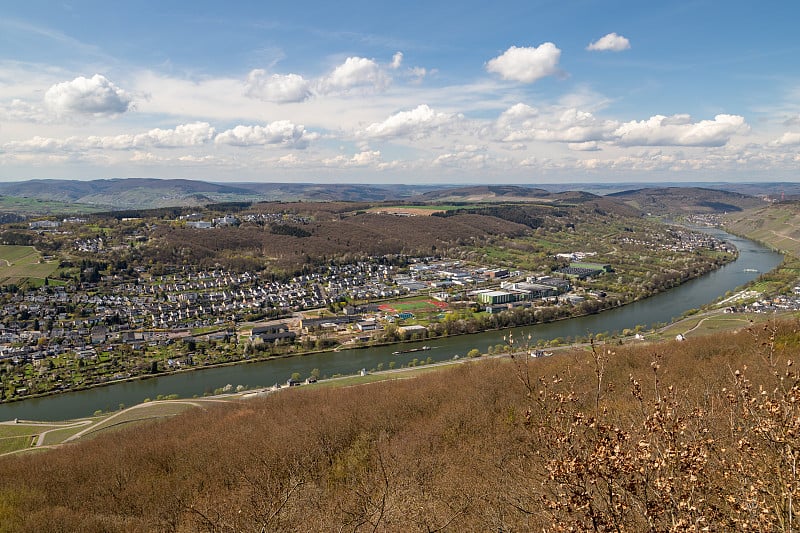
412, 350
751, 270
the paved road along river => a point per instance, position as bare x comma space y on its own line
659, 308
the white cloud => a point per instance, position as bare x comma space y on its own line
95, 96
416, 124
223, 101
354, 72
361, 159
21, 110
526, 64
524, 123
202, 160
611, 42
679, 130
583, 130
397, 60
289, 160
194, 134
788, 139
282, 132
792, 121
36, 144
184, 135
417, 74
145, 157
279, 88
366, 158
466, 159
588, 146
517, 114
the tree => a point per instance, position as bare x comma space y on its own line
474, 353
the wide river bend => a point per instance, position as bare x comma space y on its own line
753, 259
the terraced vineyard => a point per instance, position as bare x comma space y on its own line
20, 263
778, 225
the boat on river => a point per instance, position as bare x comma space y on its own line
412, 350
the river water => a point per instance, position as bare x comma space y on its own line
660, 308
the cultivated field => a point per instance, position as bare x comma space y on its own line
19, 263
778, 225
422, 211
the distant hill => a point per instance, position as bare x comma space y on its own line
124, 193
46, 195
334, 192
149, 193
686, 200
511, 194
484, 193
777, 190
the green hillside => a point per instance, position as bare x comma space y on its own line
777, 225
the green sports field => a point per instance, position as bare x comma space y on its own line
415, 305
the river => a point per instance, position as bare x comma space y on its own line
660, 308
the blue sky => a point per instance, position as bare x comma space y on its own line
434, 92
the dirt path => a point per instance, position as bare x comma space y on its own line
105, 422
40, 437
700, 322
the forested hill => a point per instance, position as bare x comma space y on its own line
148, 193
484, 193
686, 200
144, 193
125, 192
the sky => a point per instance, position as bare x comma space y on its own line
471, 92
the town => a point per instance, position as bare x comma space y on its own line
134, 321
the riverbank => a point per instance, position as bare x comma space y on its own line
659, 309
610, 306
26, 435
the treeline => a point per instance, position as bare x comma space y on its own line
18, 238
229, 207
159, 212
518, 316
172, 212
519, 214
697, 435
